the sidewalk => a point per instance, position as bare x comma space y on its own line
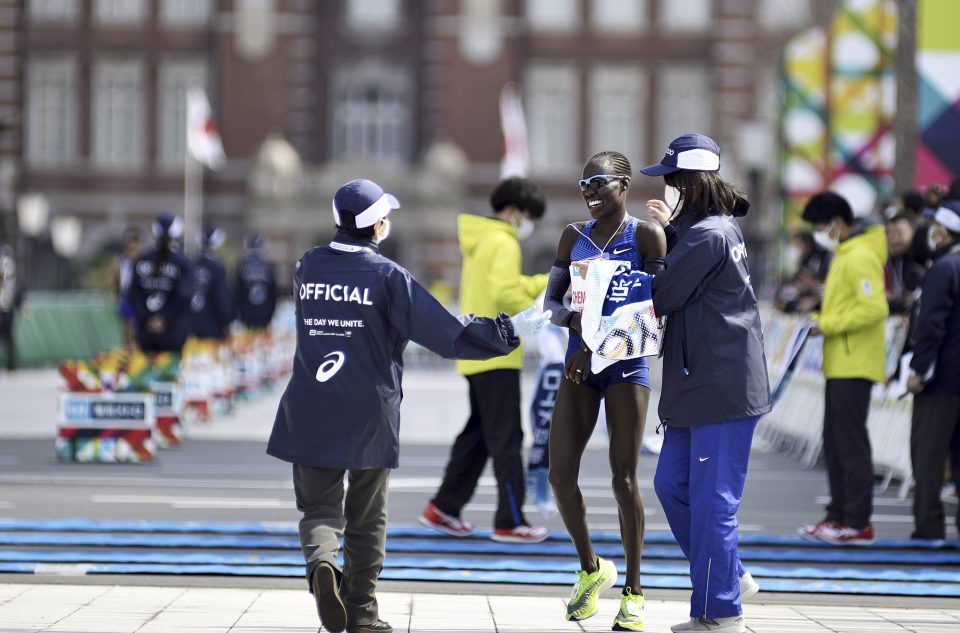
104, 609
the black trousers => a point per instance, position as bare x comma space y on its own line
6, 339
493, 430
934, 435
846, 451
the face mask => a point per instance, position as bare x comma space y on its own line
525, 228
932, 241
384, 232
824, 240
671, 195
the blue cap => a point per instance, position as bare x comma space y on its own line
168, 225
691, 152
366, 202
211, 237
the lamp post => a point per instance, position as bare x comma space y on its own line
33, 211
66, 234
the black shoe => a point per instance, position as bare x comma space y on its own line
374, 627
326, 592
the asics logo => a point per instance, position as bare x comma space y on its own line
330, 367
620, 250
627, 374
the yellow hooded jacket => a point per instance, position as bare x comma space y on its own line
855, 308
491, 282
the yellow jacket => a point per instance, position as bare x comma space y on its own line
491, 282
855, 308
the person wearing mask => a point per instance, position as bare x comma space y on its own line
491, 282
11, 300
211, 303
715, 385
340, 413
935, 375
852, 324
255, 295
623, 386
161, 290
901, 275
807, 263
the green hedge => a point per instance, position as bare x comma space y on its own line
57, 326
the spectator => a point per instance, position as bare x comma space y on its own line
902, 275
161, 289
255, 295
935, 375
852, 324
211, 304
122, 276
491, 282
11, 299
807, 263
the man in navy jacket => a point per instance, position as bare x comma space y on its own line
355, 312
935, 375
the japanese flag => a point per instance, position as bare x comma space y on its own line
514, 128
203, 140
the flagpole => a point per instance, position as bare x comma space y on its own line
192, 191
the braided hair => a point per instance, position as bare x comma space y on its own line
619, 162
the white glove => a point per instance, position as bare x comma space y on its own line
529, 321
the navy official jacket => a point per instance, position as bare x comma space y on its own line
255, 295
714, 367
937, 339
211, 303
162, 285
356, 310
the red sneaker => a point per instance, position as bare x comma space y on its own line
432, 517
521, 534
813, 531
845, 535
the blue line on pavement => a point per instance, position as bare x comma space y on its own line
458, 546
264, 529
664, 582
476, 564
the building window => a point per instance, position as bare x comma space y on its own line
776, 15
54, 10
185, 12
118, 114
51, 112
553, 15
618, 16
683, 103
372, 114
689, 15
552, 97
120, 11
618, 111
377, 15
174, 79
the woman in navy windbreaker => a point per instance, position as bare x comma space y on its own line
715, 384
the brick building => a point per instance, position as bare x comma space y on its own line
403, 91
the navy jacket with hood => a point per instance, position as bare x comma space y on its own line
937, 338
714, 369
255, 295
356, 310
211, 303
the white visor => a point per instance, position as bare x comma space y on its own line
947, 219
698, 160
369, 216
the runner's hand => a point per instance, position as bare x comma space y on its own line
659, 212
578, 367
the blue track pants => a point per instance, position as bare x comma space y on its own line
699, 482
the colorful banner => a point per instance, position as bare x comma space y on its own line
938, 92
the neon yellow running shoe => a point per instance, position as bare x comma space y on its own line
630, 617
583, 600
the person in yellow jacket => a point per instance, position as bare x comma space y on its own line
491, 282
851, 321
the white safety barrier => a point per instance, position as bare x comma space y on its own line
796, 423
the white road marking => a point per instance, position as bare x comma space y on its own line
243, 503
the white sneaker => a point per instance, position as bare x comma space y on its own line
733, 624
748, 587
